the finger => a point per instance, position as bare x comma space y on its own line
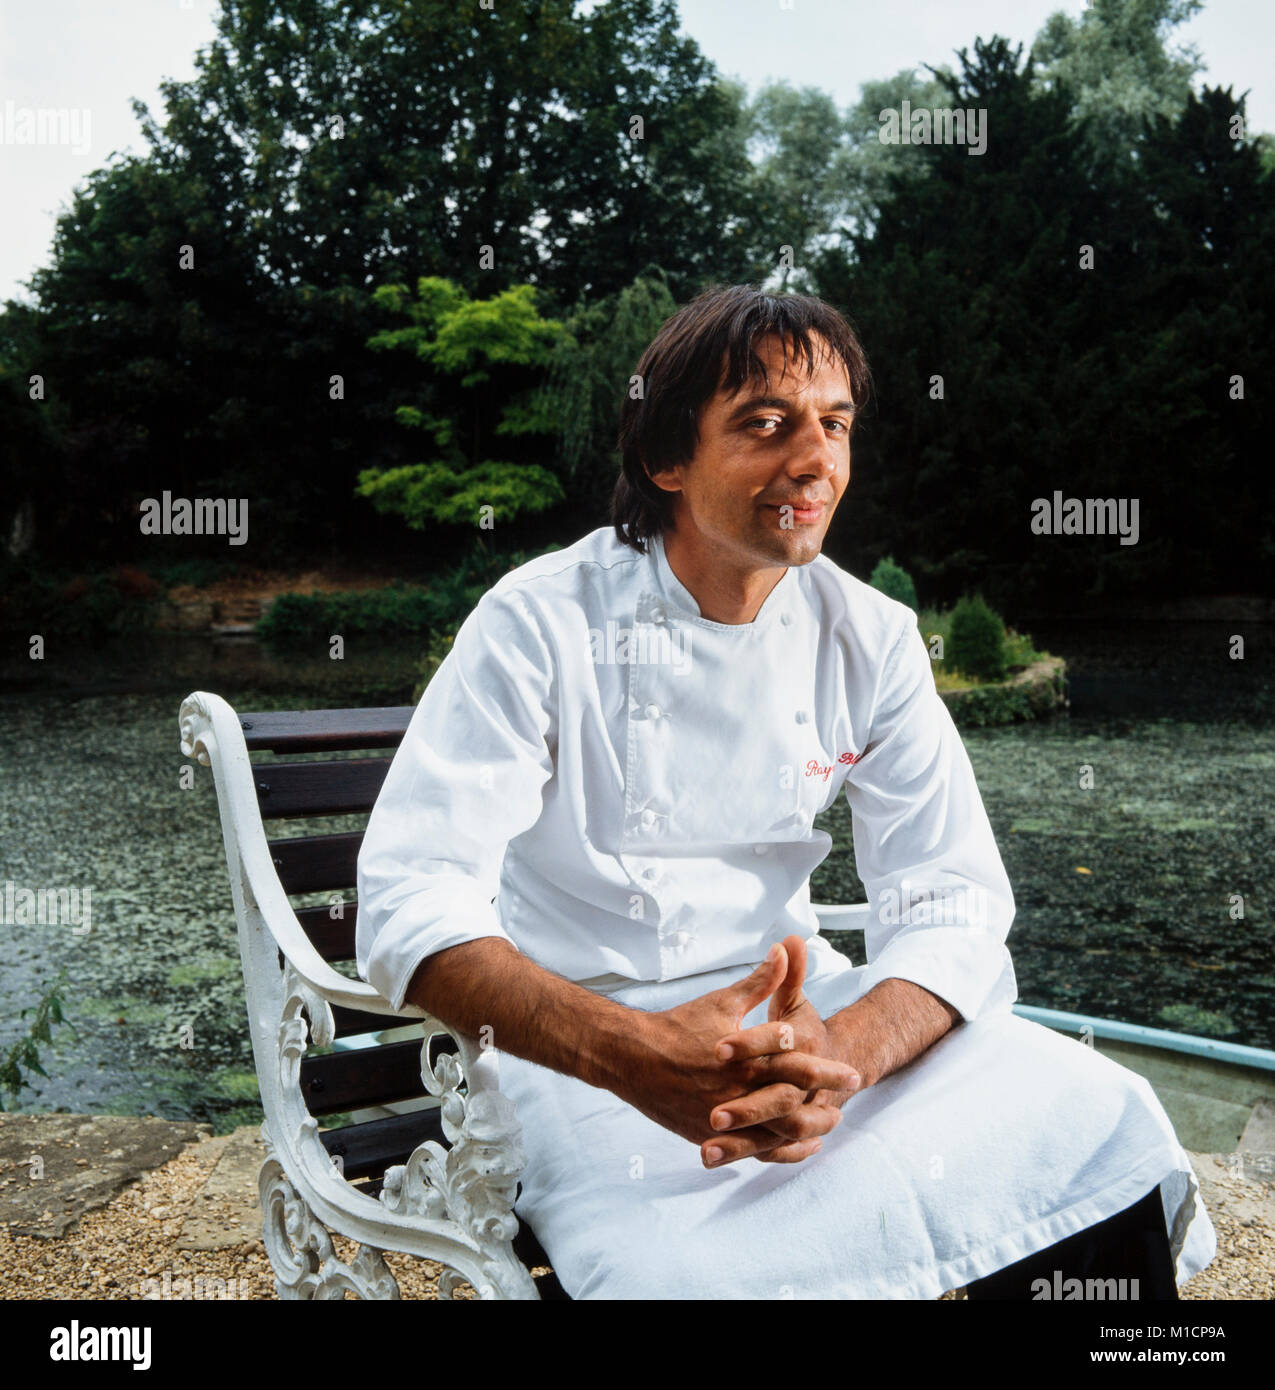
739, 1143
771, 1105
755, 1107
755, 988
790, 1153
789, 996
805, 1070
758, 1041
793, 1125
755, 1143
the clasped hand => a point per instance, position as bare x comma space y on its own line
767, 1092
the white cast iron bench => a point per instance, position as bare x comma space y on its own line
430, 1163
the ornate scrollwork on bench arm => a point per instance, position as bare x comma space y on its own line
475, 1182
301, 1251
470, 1186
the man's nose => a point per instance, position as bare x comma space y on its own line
814, 450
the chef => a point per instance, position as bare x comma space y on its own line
600, 850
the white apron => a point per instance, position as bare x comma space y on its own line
1002, 1139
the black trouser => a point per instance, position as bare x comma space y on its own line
1133, 1244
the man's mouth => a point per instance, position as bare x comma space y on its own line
805, 514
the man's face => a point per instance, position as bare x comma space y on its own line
770, 468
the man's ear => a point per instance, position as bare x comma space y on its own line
666, 479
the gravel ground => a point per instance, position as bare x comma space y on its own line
116, 1249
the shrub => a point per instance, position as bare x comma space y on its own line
894, 581
77, 607
398, 608
977, 642
985, 705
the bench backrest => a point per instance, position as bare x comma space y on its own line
380, 1074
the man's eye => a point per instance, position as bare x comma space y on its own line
841, 425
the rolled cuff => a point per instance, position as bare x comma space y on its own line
424, 925
969, 967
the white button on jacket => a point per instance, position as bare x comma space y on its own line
625, 791
568, 738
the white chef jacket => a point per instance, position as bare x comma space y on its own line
624, 790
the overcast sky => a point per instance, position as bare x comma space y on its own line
93, 56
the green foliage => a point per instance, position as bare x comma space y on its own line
588, 378
454, 334
450, 131
1020, 651
318, 150
398, 608
987, 705
799, 183
1054, 376
894, 581
977, 642
1190, 1018
24, 1053
93, 605
1116, 61
425, 492
865, 172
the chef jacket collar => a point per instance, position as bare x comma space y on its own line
677, 596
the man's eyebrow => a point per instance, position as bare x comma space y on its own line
781, 403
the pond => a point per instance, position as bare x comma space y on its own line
1128, 890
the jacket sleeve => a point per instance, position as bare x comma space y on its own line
467, 778
941, 903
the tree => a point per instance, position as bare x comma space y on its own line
977, 643
894, 581
1116, 63
354, 140
795, 137
864, 170
480, 340
590, 373
1006, 368
325, 147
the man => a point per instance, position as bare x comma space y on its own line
626, 749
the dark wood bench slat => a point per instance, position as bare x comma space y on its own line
318, 789
368, 1149
369, 1076
351, 1021
332, 937
311, 863
325, 730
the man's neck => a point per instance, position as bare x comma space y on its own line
725, 592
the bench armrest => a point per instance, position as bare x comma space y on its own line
211, 733
842, 916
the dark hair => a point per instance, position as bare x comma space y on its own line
682, 368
